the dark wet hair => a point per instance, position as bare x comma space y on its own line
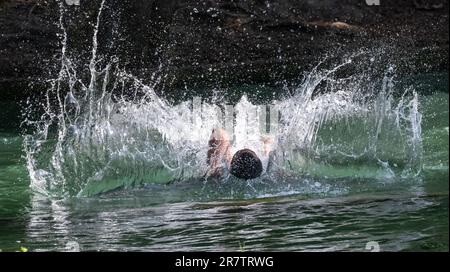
246, 165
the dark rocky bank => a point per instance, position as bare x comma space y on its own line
218, 43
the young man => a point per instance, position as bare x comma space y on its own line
244, 164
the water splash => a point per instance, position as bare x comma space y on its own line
92, 138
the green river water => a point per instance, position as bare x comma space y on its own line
397, 215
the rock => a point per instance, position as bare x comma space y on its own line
217, 43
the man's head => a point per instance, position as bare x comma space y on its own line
246, 165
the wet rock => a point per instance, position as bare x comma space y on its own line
217, 43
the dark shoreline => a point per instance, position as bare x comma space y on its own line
204, 44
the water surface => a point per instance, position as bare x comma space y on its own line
336, 208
